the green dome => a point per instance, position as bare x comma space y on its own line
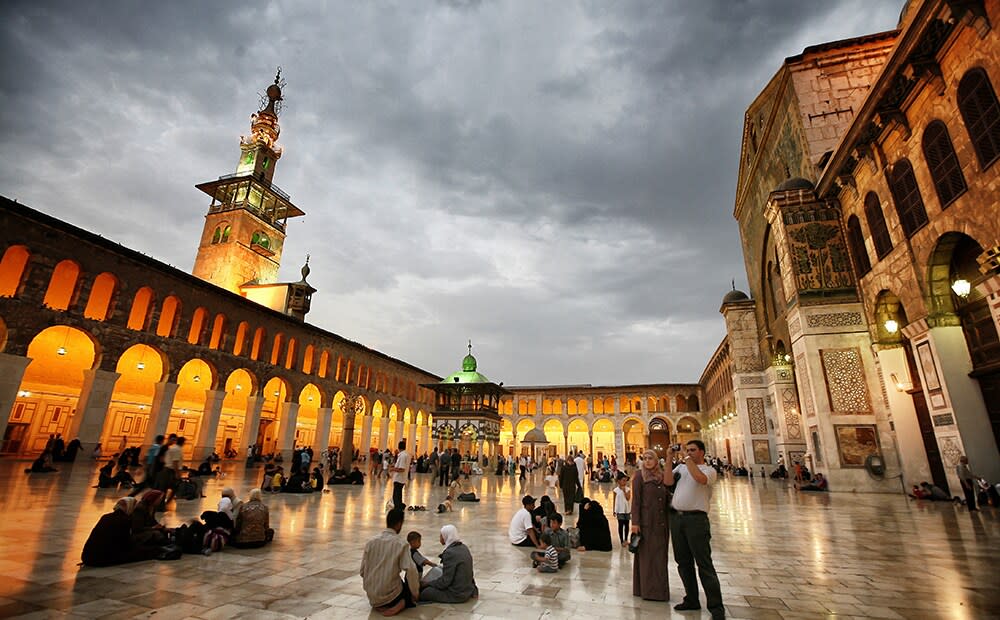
469, 363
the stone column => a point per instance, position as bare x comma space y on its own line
398, 436
347, 442
411, 438
159, 411
92, 408
620, 444
366, 433
425, 437
324, 416
208, 430
912, 455
383, 433
617, 406
12, 369
251, 423
289, 419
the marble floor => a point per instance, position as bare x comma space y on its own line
780, 554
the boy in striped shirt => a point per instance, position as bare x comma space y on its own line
546, 561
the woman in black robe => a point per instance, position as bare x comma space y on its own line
110, 542
595, 532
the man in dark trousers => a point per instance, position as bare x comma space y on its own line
691, 532
445, 468
569, 482
456, 463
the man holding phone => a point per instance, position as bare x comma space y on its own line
691, 532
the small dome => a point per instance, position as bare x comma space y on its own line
469, 363
794, 183
734, 296
535, 435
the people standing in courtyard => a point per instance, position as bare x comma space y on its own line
400, 474
623, 507
581, 468
457, 582
456, 463
445, 468
569, 485
690, 529
384, 558
968, 481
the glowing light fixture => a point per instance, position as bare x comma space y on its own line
140, 366
197, 379
142, 407
61, 351
238, 387
277, 393
962, 287
891, 326
24, 393
184, 411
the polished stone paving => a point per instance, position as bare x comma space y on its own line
780, 554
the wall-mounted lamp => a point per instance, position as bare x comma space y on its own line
238, 387
24, 394
891, 326
197, 379
61, 351
962, 287
901, 386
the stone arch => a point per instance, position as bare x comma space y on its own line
603, 432
102, 293
240, 342
217, 339
324, 364
13, 267
170, 312
941, 274
308, 359
63, 285
554, 433
292, 354
681, 402
276, 346
142, 305
259, 336
890, 318
692, 403
198, 321
140, 368
688, 424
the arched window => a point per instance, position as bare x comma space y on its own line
218, 331
977, 102
260, 239
141, 305
276, 349
943, 164
101, 292
197, 325
292, 353
258, 343
225, 233
876, 224
217, 235
906, 194
241, 338
15, 259
856, 241
169, 312
62, 286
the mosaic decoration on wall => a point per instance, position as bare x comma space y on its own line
817, 248
758, 422
790, 405
794, 328
804, 388
834, 319
951, 451
761, 452
845, 381
856, 443
752, 380
943, 419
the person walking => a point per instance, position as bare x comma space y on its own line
690, 529
569, 484
968, 480
444, 468
651, 522
400, 474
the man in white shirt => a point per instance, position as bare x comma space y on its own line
581, 467
522, 528
400, 474
691, 532
385, 557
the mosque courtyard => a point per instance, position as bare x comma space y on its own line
779, 553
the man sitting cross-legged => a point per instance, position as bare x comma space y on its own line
385, 557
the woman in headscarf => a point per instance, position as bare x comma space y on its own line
110, 542
146, 531
650, 520
252, 527
595, 532
457, 582
229, 505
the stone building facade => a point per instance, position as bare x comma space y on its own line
868, 211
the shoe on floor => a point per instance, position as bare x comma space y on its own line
687, 606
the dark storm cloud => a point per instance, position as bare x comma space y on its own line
554, 181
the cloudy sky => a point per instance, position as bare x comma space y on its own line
554, 180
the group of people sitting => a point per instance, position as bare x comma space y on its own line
541, 528
387, 556
131, 532
817, 483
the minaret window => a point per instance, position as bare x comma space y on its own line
225, 233
260, 239
981, 112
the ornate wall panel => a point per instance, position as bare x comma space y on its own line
834, 319
758, 421
804, 387
790, 405
845, 381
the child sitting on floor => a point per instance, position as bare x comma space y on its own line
546, 561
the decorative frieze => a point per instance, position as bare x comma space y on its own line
845, 381
834, 319
758, 421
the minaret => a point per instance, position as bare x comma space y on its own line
245, 226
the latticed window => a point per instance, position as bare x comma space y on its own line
856, 239
977, 102
943, 163
876, 224
906, 194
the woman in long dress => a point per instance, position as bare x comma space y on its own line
650, 519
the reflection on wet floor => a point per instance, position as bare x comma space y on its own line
780, 554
